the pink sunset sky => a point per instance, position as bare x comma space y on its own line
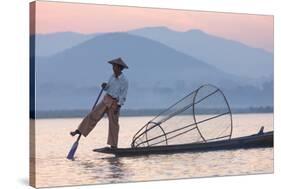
252, 30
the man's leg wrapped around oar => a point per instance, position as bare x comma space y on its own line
91, 120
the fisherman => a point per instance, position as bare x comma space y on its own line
116, 92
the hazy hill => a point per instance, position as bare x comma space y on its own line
228, 55
158, 74
50, 44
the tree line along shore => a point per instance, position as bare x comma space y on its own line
145, 112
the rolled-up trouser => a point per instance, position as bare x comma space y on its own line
109, 106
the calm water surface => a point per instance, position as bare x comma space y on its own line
53, 143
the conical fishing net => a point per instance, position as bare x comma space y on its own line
203, 115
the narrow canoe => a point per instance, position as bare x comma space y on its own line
246, 142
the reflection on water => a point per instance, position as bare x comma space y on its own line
111, 165
116, 168
53, 143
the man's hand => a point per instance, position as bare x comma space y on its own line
103, 85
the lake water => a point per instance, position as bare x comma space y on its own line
53, 142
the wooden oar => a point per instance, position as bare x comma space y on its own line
74, 147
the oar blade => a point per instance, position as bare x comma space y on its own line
72, 151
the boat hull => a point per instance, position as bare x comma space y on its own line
252, 141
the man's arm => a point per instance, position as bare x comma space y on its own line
123, 95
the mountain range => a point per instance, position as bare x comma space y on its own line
228, 55
158, 73
50, 44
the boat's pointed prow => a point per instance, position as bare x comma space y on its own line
106, 150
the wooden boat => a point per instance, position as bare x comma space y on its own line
246, 142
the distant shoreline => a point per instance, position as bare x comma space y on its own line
136, 113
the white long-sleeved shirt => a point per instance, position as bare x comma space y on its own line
117, 88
